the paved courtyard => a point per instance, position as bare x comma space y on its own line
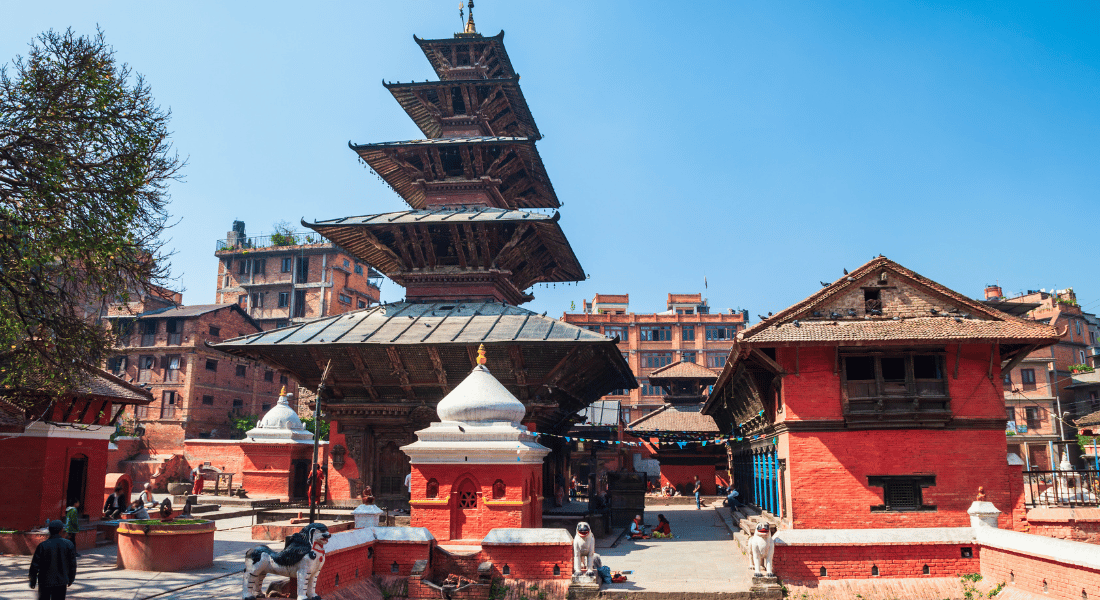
702, 556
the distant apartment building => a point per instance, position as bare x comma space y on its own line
282, 278
687, 331
196, 389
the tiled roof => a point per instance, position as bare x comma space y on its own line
611, 299
103, 384
1089, 420
913, 328
675, 418
684, 370
984, 322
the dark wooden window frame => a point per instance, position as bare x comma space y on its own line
916, 401
902, 493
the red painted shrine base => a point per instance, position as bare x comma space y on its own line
165, 546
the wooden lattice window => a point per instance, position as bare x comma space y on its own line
467, 499
902, 493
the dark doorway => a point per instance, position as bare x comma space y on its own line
78, 478
299, 484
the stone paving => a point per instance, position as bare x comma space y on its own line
702, 556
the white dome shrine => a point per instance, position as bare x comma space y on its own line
480, 398
479, 423
280, 424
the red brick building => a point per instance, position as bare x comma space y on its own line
195, 388
876, 402
283, 278
687, 332
56, 452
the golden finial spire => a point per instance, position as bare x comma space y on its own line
282, 392
481, 360
470, 21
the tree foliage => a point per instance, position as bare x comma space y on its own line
85, 164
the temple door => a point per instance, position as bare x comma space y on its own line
464, 508
78, 479
393, 465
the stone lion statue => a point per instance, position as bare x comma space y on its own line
585, 559
302, 558
762, 548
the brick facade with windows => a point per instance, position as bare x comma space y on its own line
195, 388
877, 402
686, 331
283, 278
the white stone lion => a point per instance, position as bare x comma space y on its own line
762, 548
302, 558
585, 559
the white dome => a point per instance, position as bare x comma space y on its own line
280, 423
480, 398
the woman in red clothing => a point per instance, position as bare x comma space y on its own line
663, 529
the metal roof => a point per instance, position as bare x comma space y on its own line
428, 103
441, 215
429, 323
496, 62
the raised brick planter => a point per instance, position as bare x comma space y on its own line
165, 546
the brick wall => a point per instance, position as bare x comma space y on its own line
518, 508
803, 563
531, 562
828, 474
683, 477
1039, 575
1078, 524
346, 567
405, 554
35, 472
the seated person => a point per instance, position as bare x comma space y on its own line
663, 529
146, 497
731, 499
637, 529
112, 509
137, 511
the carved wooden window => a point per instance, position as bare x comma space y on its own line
887, 382
902, 493
467, 499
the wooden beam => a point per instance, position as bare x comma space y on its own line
401, 244
456, 241
1019, 357
362, 372
992, 356
519, 369
84, 412
399, 369
958, 352
767, 361
118, 413
440, 372
471, 243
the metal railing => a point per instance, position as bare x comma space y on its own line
1061, 488
273, 240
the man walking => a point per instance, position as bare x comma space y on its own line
53, 568
698, 490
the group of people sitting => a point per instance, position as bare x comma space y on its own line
117, 505
663, 530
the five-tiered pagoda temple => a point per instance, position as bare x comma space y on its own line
466, 252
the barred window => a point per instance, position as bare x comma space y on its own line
902, 493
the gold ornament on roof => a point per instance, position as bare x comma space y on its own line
470, 22
481, 360
282, 392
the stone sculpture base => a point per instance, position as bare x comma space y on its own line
583, 587
764, 587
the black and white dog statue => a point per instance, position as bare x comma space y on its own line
302, 558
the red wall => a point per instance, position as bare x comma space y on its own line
520, 506
827, 471
262, 469
683, 478
35, 471
803, 563
1029, 573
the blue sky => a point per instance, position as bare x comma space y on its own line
763, 145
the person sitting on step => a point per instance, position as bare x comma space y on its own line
663, 529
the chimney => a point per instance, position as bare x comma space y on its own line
993, 291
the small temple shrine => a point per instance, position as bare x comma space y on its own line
676, 433
468, 251
477, 469
277, 452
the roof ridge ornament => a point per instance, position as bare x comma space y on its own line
469, 22
481, 360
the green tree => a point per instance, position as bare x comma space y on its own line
308, 422
283, 234
85, 164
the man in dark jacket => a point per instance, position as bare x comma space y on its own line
53, 568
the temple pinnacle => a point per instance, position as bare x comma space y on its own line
481, 360
470, 21
282, 392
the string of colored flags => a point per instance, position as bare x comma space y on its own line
657, 441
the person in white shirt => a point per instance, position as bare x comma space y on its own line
146, 497
408, 484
